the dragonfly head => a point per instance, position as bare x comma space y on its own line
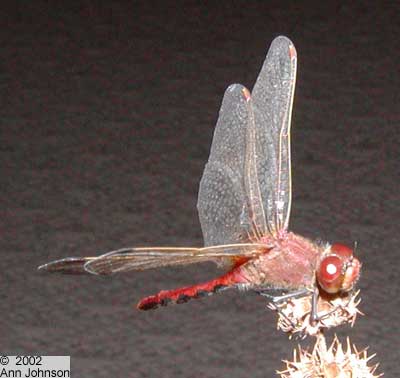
338, 270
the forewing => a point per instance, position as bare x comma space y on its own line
272, 98
221, 203
128, 259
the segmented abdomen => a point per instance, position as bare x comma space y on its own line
184, 294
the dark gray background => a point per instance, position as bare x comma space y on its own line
107, 114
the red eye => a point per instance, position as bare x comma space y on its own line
329, 274
341, 250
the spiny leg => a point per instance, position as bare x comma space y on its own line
315, 317
277, 300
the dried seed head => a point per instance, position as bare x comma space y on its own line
294, 315
332, 362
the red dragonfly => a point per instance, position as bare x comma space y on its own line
244, 206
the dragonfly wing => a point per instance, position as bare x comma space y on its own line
125, 260
272, 98
69, 265
221, 203
245, 190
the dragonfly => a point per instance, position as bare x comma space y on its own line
244, 205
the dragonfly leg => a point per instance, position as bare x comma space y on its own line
281, 313
315, 317
314, 306
278, 299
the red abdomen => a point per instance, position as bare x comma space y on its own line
184, 294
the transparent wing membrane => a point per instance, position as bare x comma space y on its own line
250, 177
222, 208
272, 97
245, 191
127, 259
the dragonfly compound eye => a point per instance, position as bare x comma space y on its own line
342, 250
330, 274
